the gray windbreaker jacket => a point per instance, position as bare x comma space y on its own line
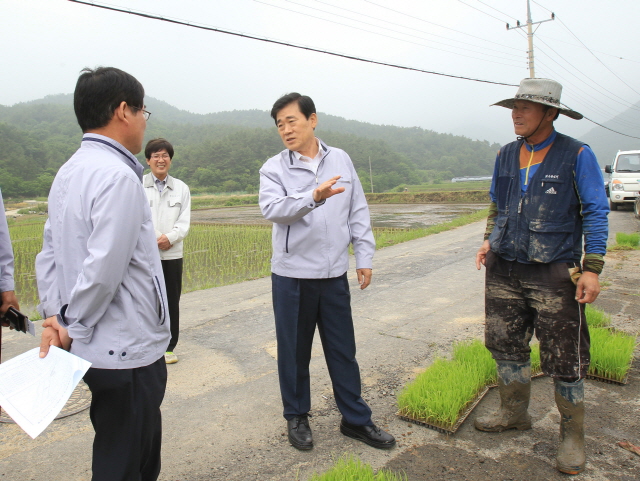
311, 241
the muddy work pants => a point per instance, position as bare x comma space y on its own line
521, 299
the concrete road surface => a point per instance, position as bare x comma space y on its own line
222, 411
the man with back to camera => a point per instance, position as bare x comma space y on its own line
170, 203
100, 279
547, 194
313, 196
7, 287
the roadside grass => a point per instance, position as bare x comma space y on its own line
626, 241
447, 389
350, 468
448, 186
214, 201
437, 197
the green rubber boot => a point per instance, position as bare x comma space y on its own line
570, 458
514, 384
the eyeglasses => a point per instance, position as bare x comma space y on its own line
160, 156
146, 114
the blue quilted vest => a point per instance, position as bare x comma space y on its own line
545, 224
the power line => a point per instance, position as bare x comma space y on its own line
596, 57
438, 25
626, 103
493, 8
589, 50
482, 11
410, 28
311, 49
285, 44
618, 57
407, 27
376, 33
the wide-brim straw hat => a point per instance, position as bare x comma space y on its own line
542, 91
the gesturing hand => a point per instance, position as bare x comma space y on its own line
326, 190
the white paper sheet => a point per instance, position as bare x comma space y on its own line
33, 391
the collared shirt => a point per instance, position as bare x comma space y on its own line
313, 163
160, 184
99, 268
6, 254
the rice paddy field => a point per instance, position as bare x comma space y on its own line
215, 254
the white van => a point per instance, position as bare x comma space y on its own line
624, 183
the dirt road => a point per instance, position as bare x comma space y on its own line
222, 410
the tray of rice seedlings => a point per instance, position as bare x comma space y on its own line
443, 396
349, 467
611, 355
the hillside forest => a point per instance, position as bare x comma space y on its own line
222, 152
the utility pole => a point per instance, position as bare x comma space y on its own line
532, 70
370, 175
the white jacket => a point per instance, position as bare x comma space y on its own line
171, 212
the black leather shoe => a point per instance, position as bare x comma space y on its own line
300, 432
372, 435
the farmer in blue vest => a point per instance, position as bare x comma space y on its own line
548, 208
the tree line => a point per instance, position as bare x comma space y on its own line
222, 152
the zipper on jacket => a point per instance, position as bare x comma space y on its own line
286, 243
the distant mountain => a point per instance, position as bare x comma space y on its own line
222, 152
606, 144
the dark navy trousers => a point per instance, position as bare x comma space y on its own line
299, 305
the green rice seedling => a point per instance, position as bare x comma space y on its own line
535, 359
596, 317
351, 468
611, 353
441, 394
474, 353
631, 240
26, 240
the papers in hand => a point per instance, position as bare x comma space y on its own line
33, 391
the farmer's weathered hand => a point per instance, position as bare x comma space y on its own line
481, 255
326, 190
588, 288
364, 277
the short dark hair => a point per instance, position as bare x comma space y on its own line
99, 92
156, 145
305, 104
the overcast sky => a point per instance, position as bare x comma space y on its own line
45, 43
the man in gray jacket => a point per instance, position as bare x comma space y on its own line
100, 281
313, 196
